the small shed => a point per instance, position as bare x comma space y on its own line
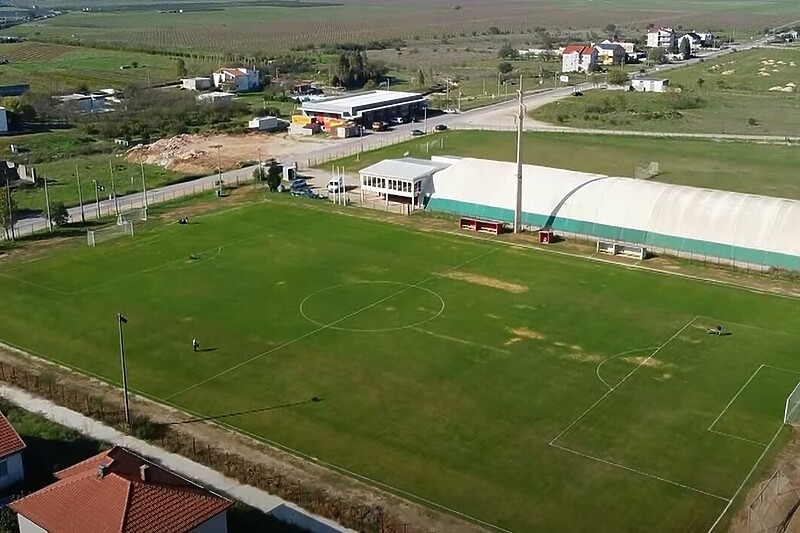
649, 85
3, 120
267, 123
196, 84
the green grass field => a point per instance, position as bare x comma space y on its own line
725, 94
529, 390
732, 166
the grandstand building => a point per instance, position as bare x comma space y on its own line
744, 230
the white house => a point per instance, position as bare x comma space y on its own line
196, 84
118, 491
650, 85
11, 446
694, 39
610, 54
629, 48
238, 80
85, 103
661, 38
578, 58
263, 123
3, 120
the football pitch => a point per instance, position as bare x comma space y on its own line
525, 390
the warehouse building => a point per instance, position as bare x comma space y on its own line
364, 107
744, 230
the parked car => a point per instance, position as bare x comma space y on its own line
451, 111
399, 120
379, 126
336, 185
577, 93
298, 183
417, 133
312, 194
440, 127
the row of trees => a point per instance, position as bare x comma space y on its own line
354, 70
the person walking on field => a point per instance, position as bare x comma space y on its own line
195, 345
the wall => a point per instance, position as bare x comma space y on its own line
3, 120
218, 524
26, 526
15, 471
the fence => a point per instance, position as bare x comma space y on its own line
346, 508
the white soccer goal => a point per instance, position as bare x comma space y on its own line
95, 237
134, 215
791, 415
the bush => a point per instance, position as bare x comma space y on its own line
752, 121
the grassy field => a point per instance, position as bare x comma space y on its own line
255, 29
751, 92
60, 68
471, 374
739, 167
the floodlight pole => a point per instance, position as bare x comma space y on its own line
80, 193
114, 189
122, 320
520, 129
219, 169
97, 197
10, 206
47, 205
144, 189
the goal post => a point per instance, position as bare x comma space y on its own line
97, 236
791, 414
134, 215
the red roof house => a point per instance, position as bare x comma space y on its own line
578, 58
11, 446
118, 491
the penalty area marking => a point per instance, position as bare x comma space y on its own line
407, 286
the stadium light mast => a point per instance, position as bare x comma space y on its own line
122, 320
520, 119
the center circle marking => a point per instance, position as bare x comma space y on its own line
402, 288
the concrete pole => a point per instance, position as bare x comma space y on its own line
80, 193
520, 129
47, 205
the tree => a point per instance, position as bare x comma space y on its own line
507, 52
610, 28
421, 78
180, 68
505, 67
135, 64
618, 77
58, 214
8, 521
686, 48
657, 56
371, 85
8, 208
673, 46
274, 175
494, 30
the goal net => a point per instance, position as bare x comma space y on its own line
134, 215
791, 415
95, 237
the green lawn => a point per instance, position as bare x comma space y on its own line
720, 96
532, 391
58, 68
741, 167
62, 180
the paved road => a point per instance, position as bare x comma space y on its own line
500, 116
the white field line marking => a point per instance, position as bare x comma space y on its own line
746, 383
737, 437
641, 473
744, 481
256, 438
460, 341
759, 328
607, 359
33, 284
781, 368
612, 389
326, 326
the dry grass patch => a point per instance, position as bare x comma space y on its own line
486, 281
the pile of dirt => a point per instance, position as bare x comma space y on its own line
201, 153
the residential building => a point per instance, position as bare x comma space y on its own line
578, 58
610, 54
629, 48
3, 120
118, 491
650, 85
84, 103
694, 39
706, 39
661, 38
237, 80
196, 84
11, 446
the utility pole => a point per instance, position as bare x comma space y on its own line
260, 169
47, 205
144, 190
80, 193
219, 169
10, 220
520, 129
114, 189
122, 320
97, 189
425, 118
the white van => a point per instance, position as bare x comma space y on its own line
336, 185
